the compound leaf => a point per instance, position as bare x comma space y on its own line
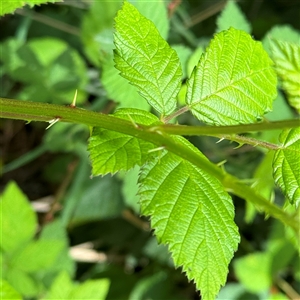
287, 63
146, 60
286, 167
191, 212
232, 16
234, 81
111, 151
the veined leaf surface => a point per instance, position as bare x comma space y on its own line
146, 59
191, 212
112, 151
286, 165
234, 81
287, 62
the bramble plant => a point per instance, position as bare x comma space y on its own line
186, 196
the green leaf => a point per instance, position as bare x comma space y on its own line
287, 63
191, 212
184, 54
119, 89
38, 255
91, 289
234, 81
286, 167
254, 271
284, 33
49, 67
232, 16
130, 189
97, 30
10, 6
22, 282
146, 59
99, 200
97, 26
18, 220
61, 287
56, 232
7, 292
156, 11
111, 151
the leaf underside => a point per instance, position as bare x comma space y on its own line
287, 63
191, 212
146, 60
111, 151
286, 166
234, 81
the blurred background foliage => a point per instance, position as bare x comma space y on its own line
97, 236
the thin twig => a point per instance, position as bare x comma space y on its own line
205, 14
49, 21
287, 288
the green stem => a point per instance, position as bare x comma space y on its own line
158, 135
248, 140
217, 130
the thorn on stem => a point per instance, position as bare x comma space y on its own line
52, 122
73, 104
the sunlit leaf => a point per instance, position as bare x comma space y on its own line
146, 60
287, 63
111, 151
191, 212
286, 166
234, 81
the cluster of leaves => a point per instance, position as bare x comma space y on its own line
232, 82
29, 265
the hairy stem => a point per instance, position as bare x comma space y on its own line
240, 139
33, 111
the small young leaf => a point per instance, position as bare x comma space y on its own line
287, 63
18, 220
111, 151
286, 167
191, 212
232, 16
234, 81
146, 59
